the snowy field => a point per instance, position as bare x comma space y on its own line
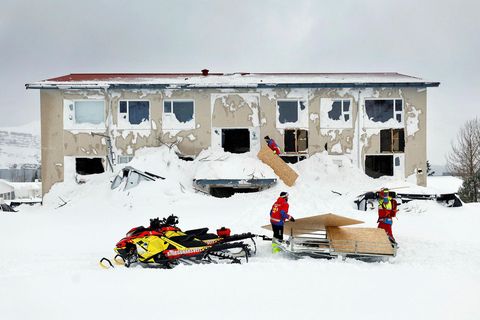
49, 256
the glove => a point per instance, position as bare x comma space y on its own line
292, 219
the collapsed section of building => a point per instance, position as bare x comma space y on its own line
98, 120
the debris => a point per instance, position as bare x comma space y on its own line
131, 177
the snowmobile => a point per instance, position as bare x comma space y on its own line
164, 245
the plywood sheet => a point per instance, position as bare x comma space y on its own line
359, 240
315, 223
281, 169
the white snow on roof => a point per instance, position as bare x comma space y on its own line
236, 80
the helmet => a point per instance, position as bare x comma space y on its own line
266, 138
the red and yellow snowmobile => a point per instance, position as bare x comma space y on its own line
164, 245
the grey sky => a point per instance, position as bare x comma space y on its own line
436, 40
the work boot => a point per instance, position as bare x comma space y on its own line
275, 248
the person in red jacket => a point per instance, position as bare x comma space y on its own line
278, 215
387, 210
272, 145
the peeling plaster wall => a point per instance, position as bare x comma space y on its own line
255, 109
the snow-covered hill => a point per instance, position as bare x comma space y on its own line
49, 255
20, 145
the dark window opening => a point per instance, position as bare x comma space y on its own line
379, 165
288, 111
336, 111
138, 111
183, 110
236, 140
379, 110
293, 159
392, 140
226, 192
85, 166
296, 140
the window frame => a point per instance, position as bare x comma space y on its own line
172, 114
74, 101
298, 100
297, 139
394, 112
127, 120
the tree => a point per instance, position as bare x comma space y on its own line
464, 160
430, 172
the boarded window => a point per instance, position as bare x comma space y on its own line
392, 140
89, 111
288, 111
379, 165
296, 140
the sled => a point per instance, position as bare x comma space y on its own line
326, 236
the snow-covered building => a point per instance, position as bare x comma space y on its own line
377, 119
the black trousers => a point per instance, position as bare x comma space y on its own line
277, 232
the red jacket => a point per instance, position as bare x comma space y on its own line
273, 145
279, 212
387, 212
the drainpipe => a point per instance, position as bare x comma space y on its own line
358, 130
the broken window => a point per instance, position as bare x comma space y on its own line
236, 140
392, 140
288, 110
182, 110
293, 159
382, 110
296, 140
379, 165
340, 110
135, 112
89, 111
86, 166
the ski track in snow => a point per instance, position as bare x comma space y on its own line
49, 257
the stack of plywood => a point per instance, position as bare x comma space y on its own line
315, 223
281, 169
359, 240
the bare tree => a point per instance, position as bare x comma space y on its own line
464, 159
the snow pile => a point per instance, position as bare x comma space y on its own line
50, 250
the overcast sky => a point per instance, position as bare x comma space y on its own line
436, 40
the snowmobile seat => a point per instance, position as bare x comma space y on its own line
196, 232
187, 241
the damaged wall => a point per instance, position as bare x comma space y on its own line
192, 119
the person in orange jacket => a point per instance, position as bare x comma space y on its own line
278, 215
387, 210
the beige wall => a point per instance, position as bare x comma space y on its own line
247, 108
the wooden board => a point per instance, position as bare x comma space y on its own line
281, 169
315, 223
359, 240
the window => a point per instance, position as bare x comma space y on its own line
236, 140
296, 140
134, 112
379, 165
392, 140
382, 110
86, 166
178, 114
288, 110
92, 111
340, 110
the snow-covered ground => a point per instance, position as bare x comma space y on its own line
49, 256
